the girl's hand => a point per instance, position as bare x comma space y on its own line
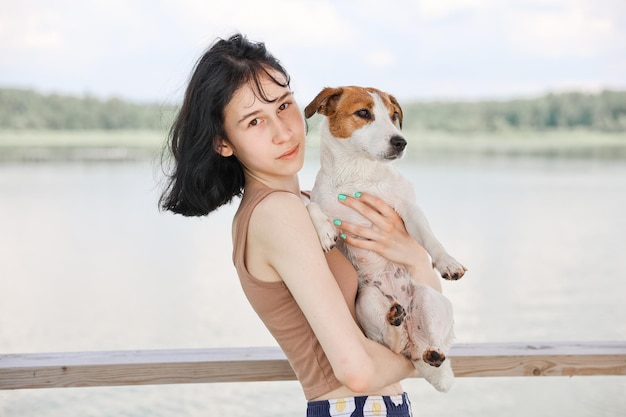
388, 237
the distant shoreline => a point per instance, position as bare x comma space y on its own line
80, 145
141, 145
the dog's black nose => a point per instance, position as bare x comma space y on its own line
398, 142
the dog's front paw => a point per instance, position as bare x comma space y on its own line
327, 235
449, 268
326, 231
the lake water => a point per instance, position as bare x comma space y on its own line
88, 263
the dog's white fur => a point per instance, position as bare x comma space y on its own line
359, 136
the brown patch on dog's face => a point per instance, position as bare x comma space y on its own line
395, 111
350, 108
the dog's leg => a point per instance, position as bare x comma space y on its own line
417, 225
440, 377
326, 231
436, 316
381, 318
431, 331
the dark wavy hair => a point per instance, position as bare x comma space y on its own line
200, 179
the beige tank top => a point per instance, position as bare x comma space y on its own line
279, 311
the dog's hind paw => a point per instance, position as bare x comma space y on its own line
434, 357
449, 268
396, 314
440, 378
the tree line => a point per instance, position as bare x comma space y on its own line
604, 111
29, 109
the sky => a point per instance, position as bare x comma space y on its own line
144, 50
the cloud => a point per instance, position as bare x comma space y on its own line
381, 58
28, 30
567, 29
302, 23
145, 49
440, 9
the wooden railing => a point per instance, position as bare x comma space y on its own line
145, 367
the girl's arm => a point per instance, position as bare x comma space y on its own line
388, 237
282, 233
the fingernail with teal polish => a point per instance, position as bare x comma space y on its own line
343, 236
337, 222
358, 194
342, 197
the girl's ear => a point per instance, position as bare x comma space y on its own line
224, 148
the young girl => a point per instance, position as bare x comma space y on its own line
239, 132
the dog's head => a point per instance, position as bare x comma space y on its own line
369, 118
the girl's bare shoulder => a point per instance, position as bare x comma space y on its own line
280, 213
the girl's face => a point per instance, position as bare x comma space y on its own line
267, 138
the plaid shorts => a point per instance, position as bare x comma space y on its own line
365, 406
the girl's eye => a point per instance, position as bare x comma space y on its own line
254, 122
363, 114
283, 106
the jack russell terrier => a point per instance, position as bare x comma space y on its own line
359, 137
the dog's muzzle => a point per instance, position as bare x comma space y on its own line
397, 144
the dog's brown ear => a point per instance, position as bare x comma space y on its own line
323, 103
395, 103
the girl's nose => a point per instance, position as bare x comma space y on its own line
282, 131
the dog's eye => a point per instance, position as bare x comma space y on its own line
364, 114
395, 116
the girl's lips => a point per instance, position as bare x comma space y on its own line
290, 153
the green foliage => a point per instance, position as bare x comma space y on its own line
27, 109
605, 111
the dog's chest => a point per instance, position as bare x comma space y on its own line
381, 180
